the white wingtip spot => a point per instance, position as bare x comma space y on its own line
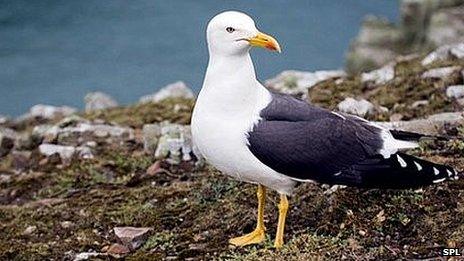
403, 163
418, 166
439, 180
449, 172
436, 171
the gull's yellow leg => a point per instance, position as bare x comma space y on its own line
257, 236
283, 207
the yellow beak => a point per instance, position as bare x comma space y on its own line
265, 41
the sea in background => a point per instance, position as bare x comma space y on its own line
54, 51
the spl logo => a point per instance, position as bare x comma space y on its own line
451, 252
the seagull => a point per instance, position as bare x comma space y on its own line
276, 141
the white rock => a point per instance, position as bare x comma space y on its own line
173, 90
380, 76
98, 101
4, 119
48, 112
455, 91
445, 52
66, 152
132, 237
87, 255
84, 152
151, 133
420, 103
352, 106
298, 82
429, 126
29, 230
439, 73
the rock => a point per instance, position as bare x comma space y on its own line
4, 120
66, 152
420, 103
423, 23
45, 133
396, 117
446, 26
380, 76
87, 255
118, 250
460, 101
29, 230
373, 46
430, 126
7, 140
298, 82
98, 101
173, 90
445, 52
49, 112
67, 224
151, 133
132, 237
5, 178
357, 107
84, 132
154, 168
175, 143
455, 91
84, 152
440, 73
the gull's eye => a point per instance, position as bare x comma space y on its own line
230, 29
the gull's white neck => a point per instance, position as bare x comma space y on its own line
230, 85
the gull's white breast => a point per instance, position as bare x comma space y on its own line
219, 128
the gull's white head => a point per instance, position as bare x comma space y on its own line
233, 33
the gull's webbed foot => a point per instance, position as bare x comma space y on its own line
255, 237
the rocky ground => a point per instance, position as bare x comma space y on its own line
116, 182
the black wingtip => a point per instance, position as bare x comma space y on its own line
413, 136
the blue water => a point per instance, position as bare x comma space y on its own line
55, 51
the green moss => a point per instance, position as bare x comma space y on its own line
173, 109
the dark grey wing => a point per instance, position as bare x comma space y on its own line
309, 143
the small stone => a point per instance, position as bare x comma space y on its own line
420, 103
132, 237
154, 168
67, 224
455, 91
84, 152
98, 101
4, 120
445, 52
151, 133
5, 178
429, 126
380, 76
86, 256
66, 152
396, 117
50, 112
298, 82
118, 250
357, 107
460, 101
173, 90
29, 230
440, 73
